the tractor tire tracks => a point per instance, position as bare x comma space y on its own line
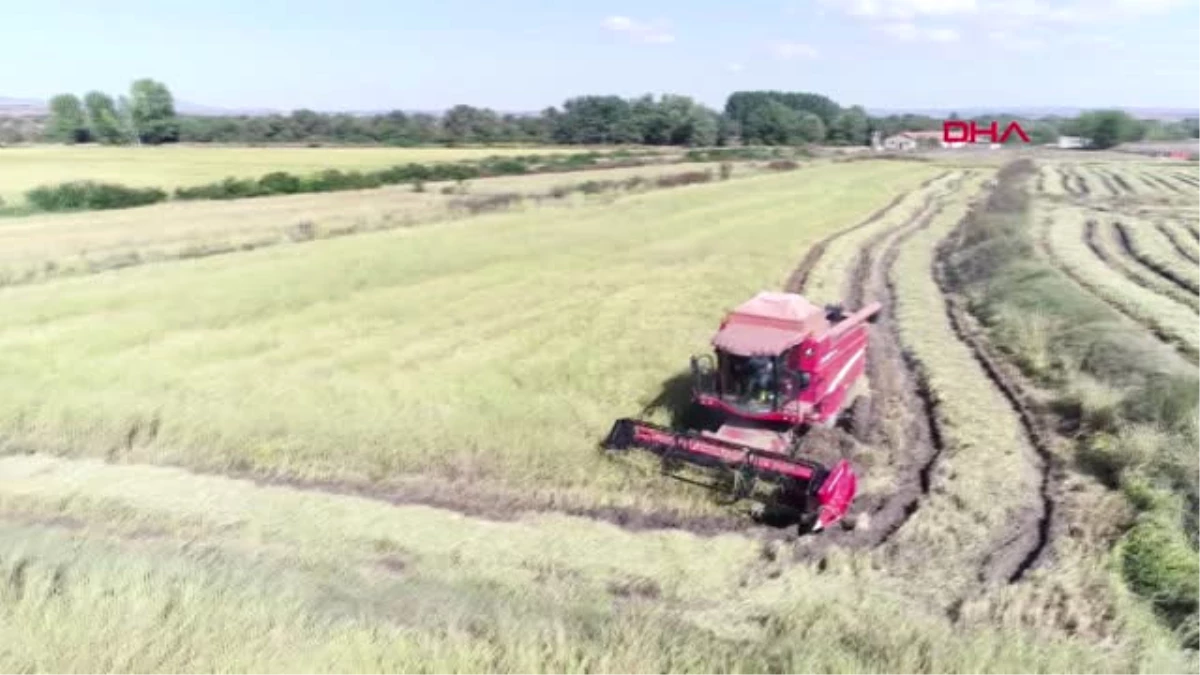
799, 277
902, 421
1025, 548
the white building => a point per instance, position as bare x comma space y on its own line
902, 142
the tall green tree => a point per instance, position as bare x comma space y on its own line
152, 112
742, 105
67, 120
853, 127
772, 123
810, 128
1106, 128
468, 124
103, 121
596, 119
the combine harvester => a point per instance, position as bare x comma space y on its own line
782, 366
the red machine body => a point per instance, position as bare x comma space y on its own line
780, 363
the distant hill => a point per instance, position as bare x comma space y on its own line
21, 107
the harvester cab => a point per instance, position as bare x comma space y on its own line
780, 365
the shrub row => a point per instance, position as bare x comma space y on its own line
78, 195
90, 195
725, 154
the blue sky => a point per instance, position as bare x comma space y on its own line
525, 54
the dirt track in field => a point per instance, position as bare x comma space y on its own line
1031, 535
902, 433
799, 277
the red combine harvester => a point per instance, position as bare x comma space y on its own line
782, 365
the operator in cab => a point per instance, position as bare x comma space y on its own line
761, 377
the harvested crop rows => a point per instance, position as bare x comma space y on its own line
926, 483
387, 442
1134, 250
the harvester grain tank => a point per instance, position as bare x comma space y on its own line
780, 366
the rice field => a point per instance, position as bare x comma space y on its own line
63, 244
325, 362
168, 167
377, 451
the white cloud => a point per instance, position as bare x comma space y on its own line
903, 9
735, 67
1075, 11
1015, 41
942, 35
1001, 14
1014, 25
791, 50
637, 30
901, 30
1093, 40
908, 31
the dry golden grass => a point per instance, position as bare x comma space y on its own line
1153, 248
1179, 233
832, 278
1063, 231
22, 168
50, 245
1051, 180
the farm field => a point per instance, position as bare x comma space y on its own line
377, 451
465, 391
49, 245
26, 167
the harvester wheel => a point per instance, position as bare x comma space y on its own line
807, 522
860, 418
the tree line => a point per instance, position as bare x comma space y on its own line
148, 116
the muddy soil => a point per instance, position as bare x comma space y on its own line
1025, 545
902, 432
